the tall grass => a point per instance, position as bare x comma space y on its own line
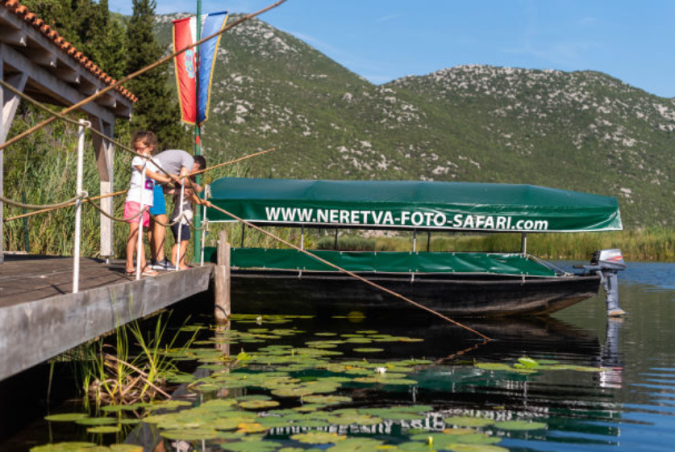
44, 167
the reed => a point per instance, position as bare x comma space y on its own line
44, 167
126, 372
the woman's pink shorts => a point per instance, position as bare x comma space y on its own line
131, 208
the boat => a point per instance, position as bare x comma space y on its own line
460, 284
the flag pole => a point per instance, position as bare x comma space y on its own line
198, 137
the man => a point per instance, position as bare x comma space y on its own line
179, 163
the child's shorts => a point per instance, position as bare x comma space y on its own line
158, 202
131, 208
185, 232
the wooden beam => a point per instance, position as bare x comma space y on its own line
223, 308
12, 36
107, 100
42, 57
67, 75
105, 152
51, 85
10, 103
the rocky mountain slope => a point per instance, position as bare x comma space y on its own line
582, 131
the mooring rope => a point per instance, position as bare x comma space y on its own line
136, 74
347, 272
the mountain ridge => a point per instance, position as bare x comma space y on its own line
582, 130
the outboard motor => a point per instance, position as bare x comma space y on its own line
607, 263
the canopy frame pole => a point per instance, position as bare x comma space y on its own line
428, 241
336, 240
523, 243
414, 250
243, 234
302, 237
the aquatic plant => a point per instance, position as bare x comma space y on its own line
115, 375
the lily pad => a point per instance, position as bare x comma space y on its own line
318, 437
520, 425
468, 421
368, 350
528, 362
357, 445
126, 448
97, 421
251, 446
258, 404
476, 448
66, 417
190, 434
494, 366
105, 429
328, 400
71, 446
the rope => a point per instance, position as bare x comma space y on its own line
121, 220
46, 206
352, 274
29, 214
228, 163
136, 74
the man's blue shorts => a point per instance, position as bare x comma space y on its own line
158, 203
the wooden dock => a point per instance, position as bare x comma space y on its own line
40, 317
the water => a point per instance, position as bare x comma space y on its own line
628, 405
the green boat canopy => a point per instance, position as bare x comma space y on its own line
459, 206
387, 262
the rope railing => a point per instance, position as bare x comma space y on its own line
22, 205
50, 209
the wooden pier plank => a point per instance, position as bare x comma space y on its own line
40, 318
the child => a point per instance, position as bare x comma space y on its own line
141, 191
183, 226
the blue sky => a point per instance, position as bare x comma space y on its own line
382, 40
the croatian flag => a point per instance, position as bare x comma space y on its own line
184, 31
194, 106
207, 57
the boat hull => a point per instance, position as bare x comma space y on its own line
459, 296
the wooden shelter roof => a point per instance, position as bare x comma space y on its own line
43, 45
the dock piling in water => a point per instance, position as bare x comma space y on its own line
222, 279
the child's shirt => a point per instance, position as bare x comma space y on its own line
140, 187
187, 209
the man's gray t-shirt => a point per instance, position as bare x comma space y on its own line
174, 160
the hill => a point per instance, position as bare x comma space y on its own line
582, 131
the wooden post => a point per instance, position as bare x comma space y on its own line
223, 308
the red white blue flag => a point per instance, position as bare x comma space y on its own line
184, 31
193, 72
